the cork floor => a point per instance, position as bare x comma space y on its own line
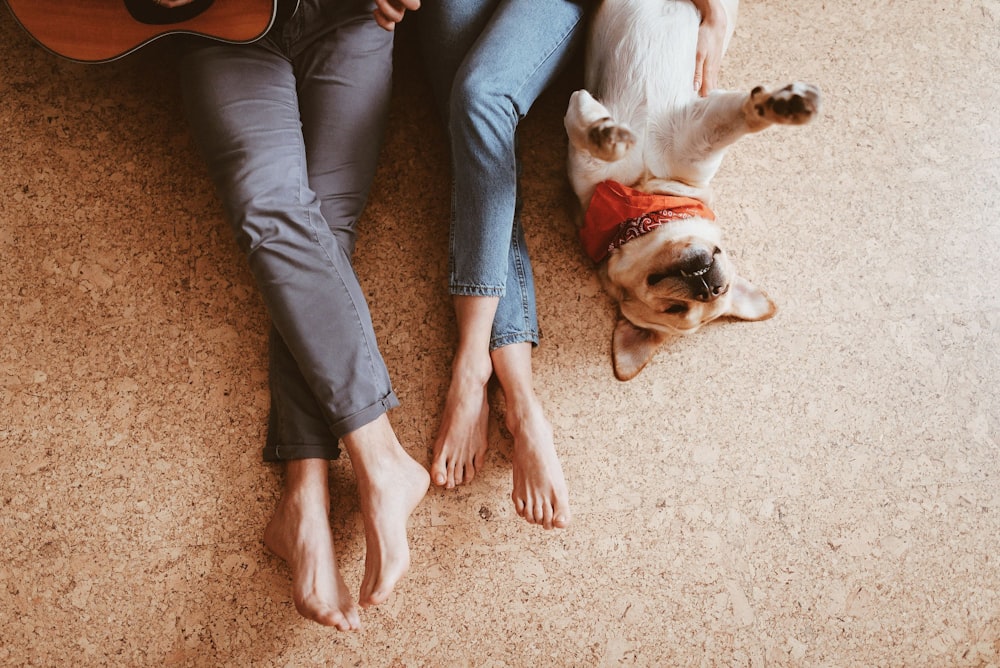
821, 489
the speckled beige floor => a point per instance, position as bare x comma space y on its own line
822, 489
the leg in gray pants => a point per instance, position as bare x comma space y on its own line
290, 128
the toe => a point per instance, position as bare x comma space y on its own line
518, 503
439, 471
547, 516
539, 508
470, 473
378, 597
523, 509
328, 616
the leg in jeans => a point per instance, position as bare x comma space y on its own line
290, 128
489, 61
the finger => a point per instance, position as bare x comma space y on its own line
699, 68
711, 78
391, 11
383, 22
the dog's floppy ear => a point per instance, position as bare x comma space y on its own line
632, 347
749, 302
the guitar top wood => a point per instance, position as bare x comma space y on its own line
93, 31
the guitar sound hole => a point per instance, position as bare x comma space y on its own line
150, 13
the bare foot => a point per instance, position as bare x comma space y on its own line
390, 485
460, 448
540, 495
300, 534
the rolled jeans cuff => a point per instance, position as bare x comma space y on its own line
476, 290
512, 338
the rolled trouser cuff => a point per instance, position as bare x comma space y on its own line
282, 452
279, 452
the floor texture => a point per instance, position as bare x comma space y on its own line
821, 489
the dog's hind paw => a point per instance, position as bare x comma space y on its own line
795, 104
609, 141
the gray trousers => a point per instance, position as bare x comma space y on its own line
290, 128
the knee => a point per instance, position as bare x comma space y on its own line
262, 217
256, 221
479, 104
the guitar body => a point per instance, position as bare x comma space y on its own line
97, 31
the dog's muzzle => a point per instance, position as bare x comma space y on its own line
704, 276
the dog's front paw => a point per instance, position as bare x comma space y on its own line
609, 141
795, 104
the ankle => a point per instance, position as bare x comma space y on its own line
524, 415
521, 402
470, 369
306, 480
374, 448
377, 434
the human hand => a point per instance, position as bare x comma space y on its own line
390, 12
711, 41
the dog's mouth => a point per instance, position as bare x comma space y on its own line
701, 273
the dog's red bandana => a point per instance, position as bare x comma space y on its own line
617, 214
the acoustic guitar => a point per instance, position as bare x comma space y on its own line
98, 31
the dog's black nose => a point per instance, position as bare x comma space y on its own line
704, 277
712, 290
696, 261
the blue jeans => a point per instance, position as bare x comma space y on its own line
488, 61
290, 128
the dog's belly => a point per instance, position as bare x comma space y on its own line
640, 65
642, 50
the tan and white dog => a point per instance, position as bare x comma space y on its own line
643, 147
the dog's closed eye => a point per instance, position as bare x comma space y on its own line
653, 279
676, 309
